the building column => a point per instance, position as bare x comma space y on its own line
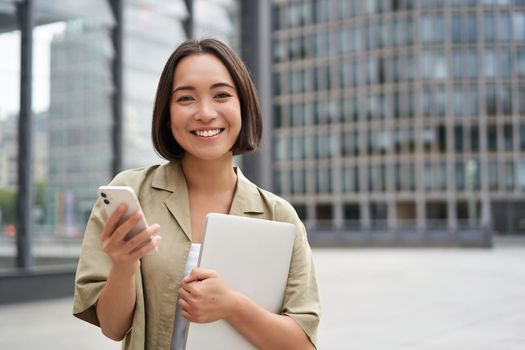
117, 67
25, 10
256, 52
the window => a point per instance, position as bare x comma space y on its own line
474, 138
323, 183
489, 26
492, 138
493, 175
458, 138
507, 137
490, 100
460, 176
352, 212
504, 27
436, 210
509, 176
518, 26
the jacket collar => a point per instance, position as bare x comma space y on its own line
170, 177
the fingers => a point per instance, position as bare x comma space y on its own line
145, 249
126, 226
113, 220
115, 239
141, 238
198, 274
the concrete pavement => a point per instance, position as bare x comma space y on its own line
424, 299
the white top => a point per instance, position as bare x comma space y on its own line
177, 340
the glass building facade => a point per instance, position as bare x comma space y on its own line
391, 114
73, 106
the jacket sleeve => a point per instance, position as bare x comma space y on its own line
301, 299
93, 268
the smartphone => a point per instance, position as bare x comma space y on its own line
113, 196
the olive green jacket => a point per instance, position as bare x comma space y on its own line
163, 195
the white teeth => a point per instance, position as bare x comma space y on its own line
207, 133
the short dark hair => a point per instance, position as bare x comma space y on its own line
251, 119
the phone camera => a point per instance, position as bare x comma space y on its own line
103, 195
106, 201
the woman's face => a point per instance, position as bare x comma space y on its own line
205, 112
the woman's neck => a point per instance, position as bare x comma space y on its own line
211, 176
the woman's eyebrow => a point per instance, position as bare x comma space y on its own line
222, 84
192, 88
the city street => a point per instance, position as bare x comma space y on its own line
420, 299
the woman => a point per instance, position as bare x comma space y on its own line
206, 111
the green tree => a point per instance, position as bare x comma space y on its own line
8, 206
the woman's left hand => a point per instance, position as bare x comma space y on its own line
205, 297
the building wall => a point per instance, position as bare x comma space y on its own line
399, 113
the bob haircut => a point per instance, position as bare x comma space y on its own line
251, 119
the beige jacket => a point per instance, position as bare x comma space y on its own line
162, 192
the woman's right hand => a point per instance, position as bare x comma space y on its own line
126, 254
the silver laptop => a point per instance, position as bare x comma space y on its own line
253, 257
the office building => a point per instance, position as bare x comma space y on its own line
394, 115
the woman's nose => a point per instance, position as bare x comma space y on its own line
206, 111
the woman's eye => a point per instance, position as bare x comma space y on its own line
223, 95
184, 99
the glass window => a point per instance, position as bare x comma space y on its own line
458, 138
426, 101
492, 138
280, 148
378, 211
460, 176
507, 137
356, 41
504, 98
426, 29
442, 176
277, 116
458, 101
441, 101
520, 62
522, 137
298, 181
436, 211
505, 66
352, 214
472, 29
493, 175
456, 29
489, 26
489, 67
471, 64
278, 181
10, 102
521, 174
428, 177
457, 64
350, 179
474, 138
276, 16
323, 183
504, 27
518, 26
521, 99
472, 101
509, 176
490, 100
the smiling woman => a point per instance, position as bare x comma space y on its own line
206, 111
205, 108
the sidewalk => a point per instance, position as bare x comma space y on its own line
419, 299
